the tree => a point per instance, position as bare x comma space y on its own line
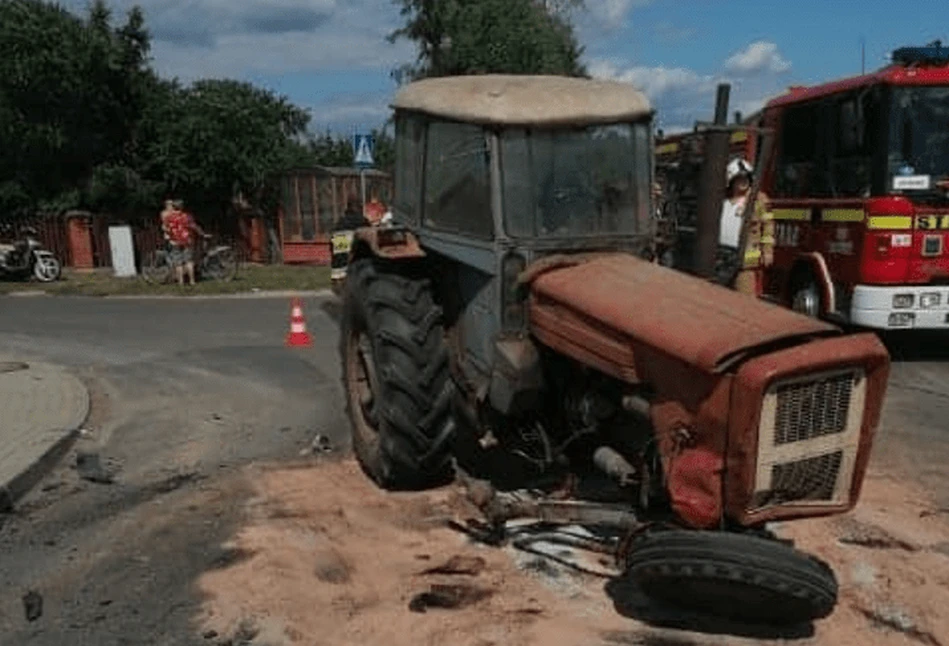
456, 37
70, 93
217, 138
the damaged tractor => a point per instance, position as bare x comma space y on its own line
514, 314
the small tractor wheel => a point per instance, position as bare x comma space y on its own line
736, 576
395, 376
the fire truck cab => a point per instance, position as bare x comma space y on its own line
859, 195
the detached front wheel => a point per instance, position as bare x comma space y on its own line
395, 376
735, 576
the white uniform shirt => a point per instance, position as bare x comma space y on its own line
730, 230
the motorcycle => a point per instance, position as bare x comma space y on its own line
27, 256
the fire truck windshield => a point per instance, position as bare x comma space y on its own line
576, 182
918, 157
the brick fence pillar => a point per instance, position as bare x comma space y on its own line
258, 239
79, 229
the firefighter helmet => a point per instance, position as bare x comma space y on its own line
736, 167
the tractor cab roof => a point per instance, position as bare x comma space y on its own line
521, 100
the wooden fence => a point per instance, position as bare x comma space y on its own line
53, 232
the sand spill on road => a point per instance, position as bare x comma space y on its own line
328, 559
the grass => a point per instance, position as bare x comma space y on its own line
251, 278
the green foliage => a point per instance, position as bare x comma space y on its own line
85, 122
216, 138
330, 150
71, 90
456, 37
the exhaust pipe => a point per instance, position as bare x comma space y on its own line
712, 188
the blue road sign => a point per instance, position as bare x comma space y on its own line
364, 147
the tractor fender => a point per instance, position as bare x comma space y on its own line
390, 243
816, 265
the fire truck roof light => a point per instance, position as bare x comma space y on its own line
933, 54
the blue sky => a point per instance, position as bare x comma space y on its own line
331, 55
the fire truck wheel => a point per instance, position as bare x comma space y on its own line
806, 300
734, 576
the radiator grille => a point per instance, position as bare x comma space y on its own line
808, 480
808, 439
812, 409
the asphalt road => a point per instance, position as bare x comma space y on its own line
186, 393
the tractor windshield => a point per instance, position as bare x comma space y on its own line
919, 141
581, 182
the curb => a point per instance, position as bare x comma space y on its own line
236, 296
12, 491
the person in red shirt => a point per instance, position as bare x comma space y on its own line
180, 229
374, 210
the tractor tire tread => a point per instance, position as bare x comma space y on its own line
404, 323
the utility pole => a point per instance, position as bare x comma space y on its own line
863, 56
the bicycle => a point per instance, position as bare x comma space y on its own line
219, 262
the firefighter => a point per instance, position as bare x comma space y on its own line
737, 268
341, 241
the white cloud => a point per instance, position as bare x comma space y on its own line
678, 94
199, 38
613, 14
682, 96
655, 82
760, 57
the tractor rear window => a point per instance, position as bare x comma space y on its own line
578, 182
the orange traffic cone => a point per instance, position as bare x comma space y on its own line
298, 336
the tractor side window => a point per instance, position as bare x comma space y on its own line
458, 179
408, 179
796, 167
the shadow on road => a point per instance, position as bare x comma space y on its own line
914, 346
629, 601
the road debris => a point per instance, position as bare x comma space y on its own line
175, 482
89, 467
320, 444
459, 565
13, 366
898, 620
871, 536
448, 597
32, 605
332, 568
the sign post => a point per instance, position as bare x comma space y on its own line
363, 148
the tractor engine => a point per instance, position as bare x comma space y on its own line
757, 413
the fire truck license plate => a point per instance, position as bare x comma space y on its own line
932, 222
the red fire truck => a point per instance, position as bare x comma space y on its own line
858, 183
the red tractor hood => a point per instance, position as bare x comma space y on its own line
602, 309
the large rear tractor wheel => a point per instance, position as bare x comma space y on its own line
396, 376
734, 576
